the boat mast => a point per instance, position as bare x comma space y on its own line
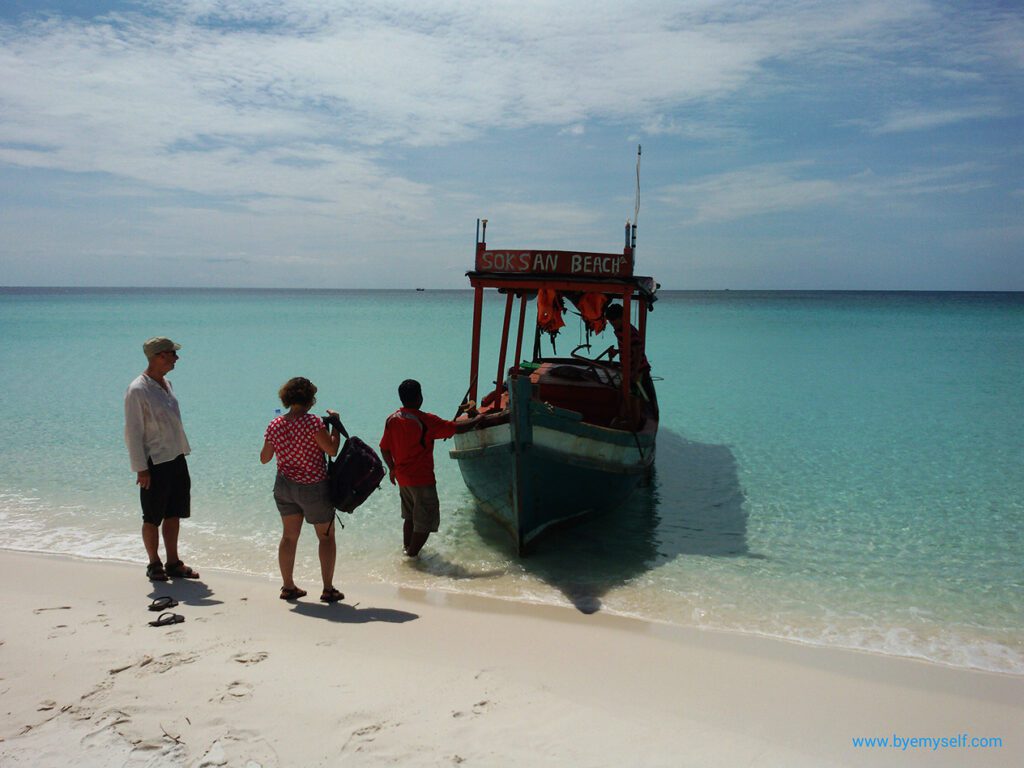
478, 304
626, 351
642, 325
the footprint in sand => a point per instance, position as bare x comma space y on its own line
477, 709
104, 732
166, 662
368, 730
363, 736
250, 658
242, 748
54, 608
61, 630
236, 691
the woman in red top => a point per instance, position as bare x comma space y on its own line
300, 439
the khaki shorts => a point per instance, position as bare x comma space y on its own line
420, 504
312, 500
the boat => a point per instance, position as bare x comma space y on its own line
558, 437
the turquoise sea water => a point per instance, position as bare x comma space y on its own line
836, 468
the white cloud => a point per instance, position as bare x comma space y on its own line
205, 98
788, 187
275, 130
749, 192
926, 118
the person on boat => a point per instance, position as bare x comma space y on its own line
157, 447
408, 450
300, 439
640, 367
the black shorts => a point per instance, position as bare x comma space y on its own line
169, 493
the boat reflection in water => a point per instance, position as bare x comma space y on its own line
694, 507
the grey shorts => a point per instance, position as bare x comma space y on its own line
311, 500
420, 504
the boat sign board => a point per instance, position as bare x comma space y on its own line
555, 263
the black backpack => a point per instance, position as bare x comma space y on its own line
354, 474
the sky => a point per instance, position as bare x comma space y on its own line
316, 144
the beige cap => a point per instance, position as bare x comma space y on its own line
159, 344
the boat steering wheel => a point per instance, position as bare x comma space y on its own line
594, 363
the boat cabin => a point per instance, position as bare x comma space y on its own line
607, 389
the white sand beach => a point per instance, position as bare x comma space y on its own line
396, 676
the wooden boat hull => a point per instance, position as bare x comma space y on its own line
545, 467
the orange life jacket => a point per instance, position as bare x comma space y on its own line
549, 310
591, 307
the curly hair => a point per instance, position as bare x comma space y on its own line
298, 391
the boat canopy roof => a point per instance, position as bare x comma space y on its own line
533, 270
644, 287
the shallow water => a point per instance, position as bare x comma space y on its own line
836, 468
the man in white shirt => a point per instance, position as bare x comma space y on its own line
157, 447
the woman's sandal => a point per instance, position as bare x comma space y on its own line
178, 570
292, 593
331, 596
155, 571
167, 618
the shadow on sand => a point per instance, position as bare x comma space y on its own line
344, 613
694, 506
192, 592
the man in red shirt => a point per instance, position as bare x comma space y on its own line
408, 449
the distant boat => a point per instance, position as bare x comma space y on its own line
559, 437
421, 289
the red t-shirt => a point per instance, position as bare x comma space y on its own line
411, 447
299, 458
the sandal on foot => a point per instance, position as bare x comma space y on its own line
331, 596
292, 593
163, 603
179, 570
155, 571
167, 618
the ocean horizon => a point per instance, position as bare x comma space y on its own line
841, 468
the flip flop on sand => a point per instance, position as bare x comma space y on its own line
167, 618
155, 571
331, 596
292, 593
179, 570
163, 603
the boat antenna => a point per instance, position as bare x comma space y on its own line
636, 209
